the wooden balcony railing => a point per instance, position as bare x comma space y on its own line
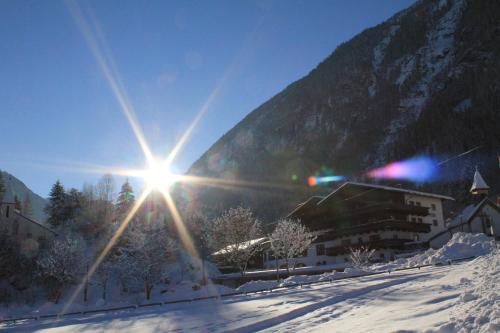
389, 224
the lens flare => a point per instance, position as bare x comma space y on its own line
313, 180
418, 169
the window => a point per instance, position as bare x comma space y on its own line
374, 237
419, 220
346, 259
435, 222
29, 235
320, 249
433, 206
414, 219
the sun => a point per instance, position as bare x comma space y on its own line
158, 176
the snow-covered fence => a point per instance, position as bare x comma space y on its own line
240, 293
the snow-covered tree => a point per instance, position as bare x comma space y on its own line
62, 264
234, 234
290, 239
361, 256
148, 251
103, 274
125, 200
198, 225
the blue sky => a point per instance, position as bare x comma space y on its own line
58, 113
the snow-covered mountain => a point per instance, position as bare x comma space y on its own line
426, 81
14, 186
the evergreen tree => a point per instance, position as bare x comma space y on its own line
125, 199
56, 208
27, 208
17, 203
2, 186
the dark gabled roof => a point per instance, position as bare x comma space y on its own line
386, 188
311, 202
35, 222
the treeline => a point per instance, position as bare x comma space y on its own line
143, 251
85, 221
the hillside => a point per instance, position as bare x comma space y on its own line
426, 81
16, 187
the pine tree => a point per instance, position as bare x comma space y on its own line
17, 203
57, 203
27, 208
125, 199
2, 186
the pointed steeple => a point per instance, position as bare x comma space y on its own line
479, 186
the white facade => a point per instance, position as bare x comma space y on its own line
435, 217
484, 218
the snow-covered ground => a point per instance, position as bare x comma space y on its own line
460, 297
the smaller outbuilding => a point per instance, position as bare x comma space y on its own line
30, 234
482, 217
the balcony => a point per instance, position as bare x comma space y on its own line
375, 244
389, 224
387, 207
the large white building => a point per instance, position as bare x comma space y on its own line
390, 220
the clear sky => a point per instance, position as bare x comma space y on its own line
59, 115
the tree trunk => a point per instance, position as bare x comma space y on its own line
104, 285
148, 287
277, 268
86, 288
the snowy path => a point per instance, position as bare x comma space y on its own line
407, 300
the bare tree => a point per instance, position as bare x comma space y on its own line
289, 239
237, 233
361, 256
149, 251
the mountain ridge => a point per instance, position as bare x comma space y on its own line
423, 82
14, 187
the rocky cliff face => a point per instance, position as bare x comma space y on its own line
426, 81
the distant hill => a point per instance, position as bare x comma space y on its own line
16, 187
426, 81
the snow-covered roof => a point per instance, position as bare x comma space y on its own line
242, 246
470, 212
388, 188
479, 183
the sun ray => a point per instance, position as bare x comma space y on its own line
209, 181
108, 247
106, 65
182, 231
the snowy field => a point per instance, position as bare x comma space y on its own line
451, 298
